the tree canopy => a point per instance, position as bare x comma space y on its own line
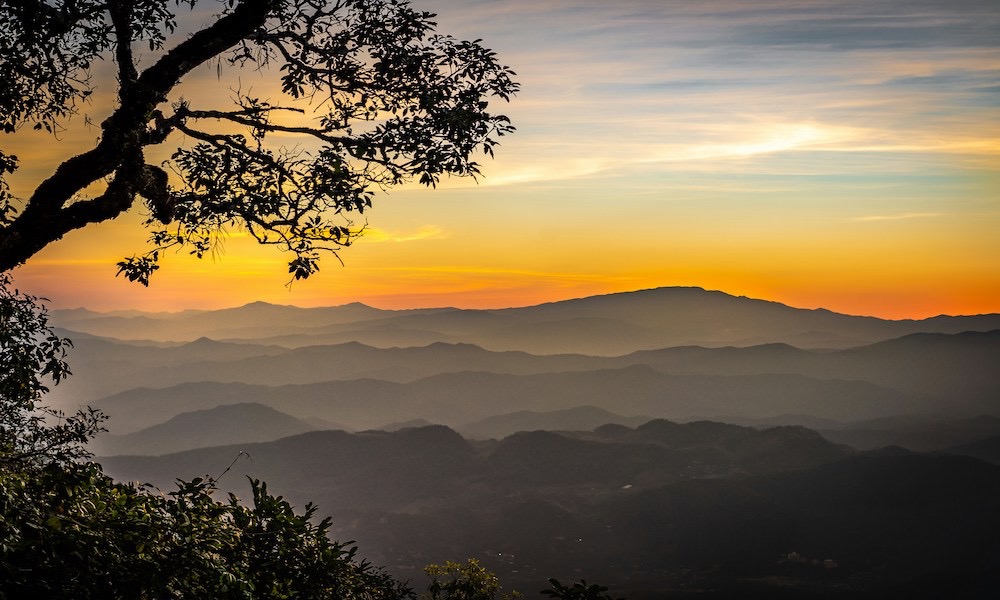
374, 96
31, 355
71, 532
371, 93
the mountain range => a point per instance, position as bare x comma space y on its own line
663, 507
363, 387
606, 325
668, 441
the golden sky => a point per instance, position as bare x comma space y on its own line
821, 153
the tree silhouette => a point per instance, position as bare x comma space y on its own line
374, 98
372, 94
31, 355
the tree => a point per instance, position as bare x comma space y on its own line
374, 94
71, 532
375, 97
380, 97
578, 590
469, 581
30, 353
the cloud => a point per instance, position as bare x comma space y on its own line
899, 216
727, 86
762, 139
374, 235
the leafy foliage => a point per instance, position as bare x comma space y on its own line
377, 95
372, 93
469, 581
30, 354
578, 590
68, 531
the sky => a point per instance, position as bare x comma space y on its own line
842, 154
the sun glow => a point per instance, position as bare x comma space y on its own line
683, 146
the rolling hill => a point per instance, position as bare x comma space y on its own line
455, 399
225, 424
949, 374
662, 507
553, 476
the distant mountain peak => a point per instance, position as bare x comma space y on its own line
356, 305
262, 304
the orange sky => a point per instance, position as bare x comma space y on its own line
838, 155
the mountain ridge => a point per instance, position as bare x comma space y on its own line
606, 325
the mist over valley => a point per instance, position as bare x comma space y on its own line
667, 441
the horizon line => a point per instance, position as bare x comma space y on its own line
515, 307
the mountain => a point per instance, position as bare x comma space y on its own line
987, 449
607, 325
579, 418
371, 469
207, 360
254, 320
141, 364
412, 423
749, 449
226, 424
456, 399
927, 362
357, 404
921, 433
436, 463
953, 367
553, 480
660, 508
945, 373
927, 372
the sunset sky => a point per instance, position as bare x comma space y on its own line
821, 153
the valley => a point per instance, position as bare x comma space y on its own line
664, 442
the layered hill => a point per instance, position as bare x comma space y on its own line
940, 373
225, 424
435, 464
606, 325
664, 507
562, 471
456, 399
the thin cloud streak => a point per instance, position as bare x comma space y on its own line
646, 82
899, 217
375, 235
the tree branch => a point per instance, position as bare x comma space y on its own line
239, 117
121, 18
419, 99
44, 218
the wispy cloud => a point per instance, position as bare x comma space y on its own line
715, 85
374, 235
899, 217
